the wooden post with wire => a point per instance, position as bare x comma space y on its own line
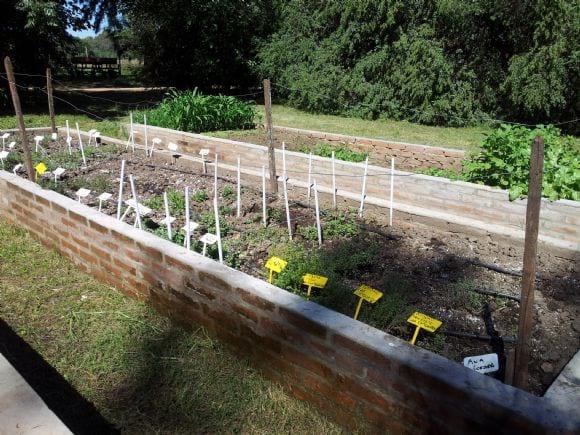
50, 100
529, 269
19, 118
268, 125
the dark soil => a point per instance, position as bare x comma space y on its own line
426, 263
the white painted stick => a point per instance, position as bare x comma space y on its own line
68, 142
136, 199
285, 184
145, 134
309, 176
67, 129
364, 186
392, 191
217, 229
187, 234
167, 216
81, 145
333, 182
204, 250
284, 159
239, 190
318, 227
215, 177
131, 137
121, 180
264, 210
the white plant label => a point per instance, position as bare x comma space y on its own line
105, 196
208, 238
11, 145
204, 152
3, 154
82, 192
5, 136
58, 172
172, 146
483, 363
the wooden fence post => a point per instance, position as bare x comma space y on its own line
19, 118
529, 269
268, 125
50, 100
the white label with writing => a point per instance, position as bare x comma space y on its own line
482, 363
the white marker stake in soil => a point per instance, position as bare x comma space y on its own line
364, 187
318, 227
145, 135
103, 197
309, 176
239, 190
57, 174
207, 239
204, 152
392, 191
136, 199
11, 145
217, 229
67, 130
131, 139
4, 137
215, 176
17, 168
167, 216
284, 159
37, 140
333, 182
155, 141
187, 227
3, 155
285, 184
264, 210
82, 193
92, 131
68, 144
81, 146
482, 363
121, 181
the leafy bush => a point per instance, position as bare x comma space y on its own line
504, 161
194, 112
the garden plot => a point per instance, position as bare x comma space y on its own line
417, 267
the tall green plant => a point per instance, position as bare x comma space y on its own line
504, 161
194, 112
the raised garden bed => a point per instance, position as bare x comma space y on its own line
417, 266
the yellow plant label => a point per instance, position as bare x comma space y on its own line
367, 293
276, 264
317, 281
424, 321
40, 168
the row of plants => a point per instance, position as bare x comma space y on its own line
194, 112
504, 161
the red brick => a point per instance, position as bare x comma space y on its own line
245, 312
152, 254
208, 294
99, 228
68, 223
214, 281
368, 354
57, 208
41, 200
100, 253
287, 333
302, 322
80, 242
255, 300
305, 361
124, 266
77, 217
87, 257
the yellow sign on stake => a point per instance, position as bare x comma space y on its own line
40, 168
275, 264
369, 294
422, 321
316, 281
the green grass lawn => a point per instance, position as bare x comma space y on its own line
143, 374
467, 138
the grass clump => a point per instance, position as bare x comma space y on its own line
194, 112
341, 152
200, 196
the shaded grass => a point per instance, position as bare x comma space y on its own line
142, 373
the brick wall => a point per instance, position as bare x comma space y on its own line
355, 374
409, 155
458, 202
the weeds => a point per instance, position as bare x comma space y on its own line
341, 152
200, 196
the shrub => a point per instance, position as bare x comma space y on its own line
504, 161
194, 112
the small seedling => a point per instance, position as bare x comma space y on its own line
422, 321
275, 264
369, 294
316, 281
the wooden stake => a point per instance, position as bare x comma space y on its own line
239, 190
19, 118
392, 191
529, 269
264, 210
50, 100
318, 227
268, 125
364, 187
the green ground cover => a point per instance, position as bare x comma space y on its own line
143, 374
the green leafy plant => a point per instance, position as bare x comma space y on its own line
341, 225
200, 196
504, 161
228, 192
341, 152
192, 111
